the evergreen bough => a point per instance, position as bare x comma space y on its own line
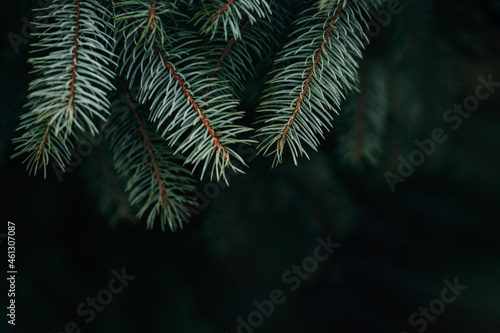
181, 67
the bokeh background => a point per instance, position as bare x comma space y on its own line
396, 248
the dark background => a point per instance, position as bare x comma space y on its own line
396, 248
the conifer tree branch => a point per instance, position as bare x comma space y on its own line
229, 14
163, 192
211, 110
71, 101
147, 18
228, 48
314, 70
225, 53
152, 15
222, 9
186, 92
234, 60
319, 52
157, 185
206, 122
73, 78
71, 98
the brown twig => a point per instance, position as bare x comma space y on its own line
222, 9
154, 165
71, 101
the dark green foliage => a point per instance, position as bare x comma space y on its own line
187, 63
157, 185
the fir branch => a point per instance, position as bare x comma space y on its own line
165, 202
156, 184
189, 96
71, 100
152, 15
73, 81
316, 66
171, 86
319, 53
147, 18
229, 14
222, 9
228, 48
235, 77
234, 59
